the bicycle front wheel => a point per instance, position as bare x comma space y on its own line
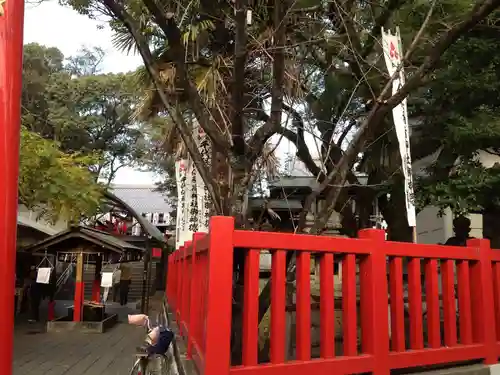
140, 367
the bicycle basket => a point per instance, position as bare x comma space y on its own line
165, 337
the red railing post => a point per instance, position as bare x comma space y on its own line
375, 302
482, 300
186, 287
173, 288
217, 359
11, 66
194, 302
180, 281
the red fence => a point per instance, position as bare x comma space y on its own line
199, 290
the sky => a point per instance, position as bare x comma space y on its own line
52, 25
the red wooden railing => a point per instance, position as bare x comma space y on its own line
199, 290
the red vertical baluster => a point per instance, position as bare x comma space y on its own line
449, 303
278, 317
251, 308
375, 302
415, 302
397, 304
496, 291
349, 305
303, 317
172, 281
167, 278
175, 281
180, 277
186, 287
177, 278
464, 302
193, 308
481, 275
220, 289
432, 299
327, 306
203, 297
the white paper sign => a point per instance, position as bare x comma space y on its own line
202, 193
180, 177
107, 279
105, 294
43, 275
392, 55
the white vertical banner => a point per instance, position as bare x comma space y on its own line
203, 196
181, 220
192, 201
393, 54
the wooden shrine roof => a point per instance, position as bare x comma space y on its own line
73, 238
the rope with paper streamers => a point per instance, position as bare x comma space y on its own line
106, 289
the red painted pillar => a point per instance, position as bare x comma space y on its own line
79, 288
220, 291
96, 285
11, 50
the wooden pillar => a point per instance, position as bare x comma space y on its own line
96, 286
79, 289
145, 287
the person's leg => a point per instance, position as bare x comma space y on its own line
35, 306
127, 288
38, 300
115, 290
122, 292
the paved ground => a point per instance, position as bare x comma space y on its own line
110, 353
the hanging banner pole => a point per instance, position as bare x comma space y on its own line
393, 55
11, 66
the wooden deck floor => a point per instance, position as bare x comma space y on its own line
110, 353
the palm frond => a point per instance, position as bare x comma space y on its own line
122, 40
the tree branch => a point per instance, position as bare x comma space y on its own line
302, 151
380, 22
338, 176
238, 86
184, 129
266, 131
204, 116
479, 13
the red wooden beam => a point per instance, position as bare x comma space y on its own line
11, 54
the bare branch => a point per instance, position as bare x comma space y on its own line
380, 109
204, 116
238, 85
184, 129
380, 22
267, 130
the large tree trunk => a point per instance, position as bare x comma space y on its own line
394, 213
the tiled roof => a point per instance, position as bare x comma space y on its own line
56, 242
142, 198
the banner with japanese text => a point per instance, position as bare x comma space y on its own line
393, 54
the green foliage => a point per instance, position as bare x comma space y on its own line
57, 184
470, 188
460, 110
84, 111
333, 70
